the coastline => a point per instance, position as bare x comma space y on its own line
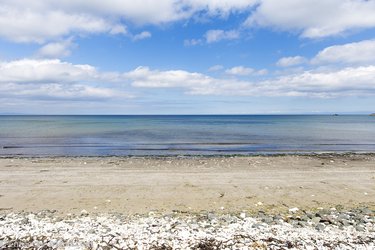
192, 184
247, 202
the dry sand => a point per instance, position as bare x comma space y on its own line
229, 184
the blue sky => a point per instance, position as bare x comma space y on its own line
187, 56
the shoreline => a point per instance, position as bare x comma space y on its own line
326, 201
157, 156
221, 184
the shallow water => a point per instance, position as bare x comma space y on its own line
184, 135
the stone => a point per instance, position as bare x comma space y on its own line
360, 228
257, 225
366, 211
84, 213
293, 210
320, 227
315, 220
343, 217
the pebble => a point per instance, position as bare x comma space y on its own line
315, 220
293, 210
346, 230
84, 213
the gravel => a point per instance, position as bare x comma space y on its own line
296, 229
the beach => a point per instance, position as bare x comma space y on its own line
190, 186
140, 185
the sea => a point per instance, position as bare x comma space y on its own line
184, 135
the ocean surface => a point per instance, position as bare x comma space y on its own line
184, 135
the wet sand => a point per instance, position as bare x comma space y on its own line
229, 184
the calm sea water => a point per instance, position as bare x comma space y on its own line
184, 135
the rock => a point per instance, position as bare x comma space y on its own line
366, 211
293, 210
25, 221
360, 228
345, 223
305, 218
315, 220
343, 217
257, 225
243, 215
267, 220
84, 213
310, 215
324, 212
320, 227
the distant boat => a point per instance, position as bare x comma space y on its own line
335, 115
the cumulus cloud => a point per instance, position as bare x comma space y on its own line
212, 36
56, 79
314, 19
351, 53
43, 21
141, 36
245, 71
193, 42
56, 91
38, 26
352, 81
290, 61
240, 71
216, 68
56, 49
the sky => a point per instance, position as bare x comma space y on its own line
187, 56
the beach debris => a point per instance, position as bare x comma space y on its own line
259, 204
353, 229
293, 210
84, 213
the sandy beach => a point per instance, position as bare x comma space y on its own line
260, 202
223, 184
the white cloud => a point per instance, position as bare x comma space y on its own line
41, 21
314, 19
28, 25
290, 61
56, 49
52, 71
240, 71
118, 29
218, 35
141, 36
56, 91
216, 68
351, 53
56, 79
192, 42
245, 71
358, 81
222, 7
